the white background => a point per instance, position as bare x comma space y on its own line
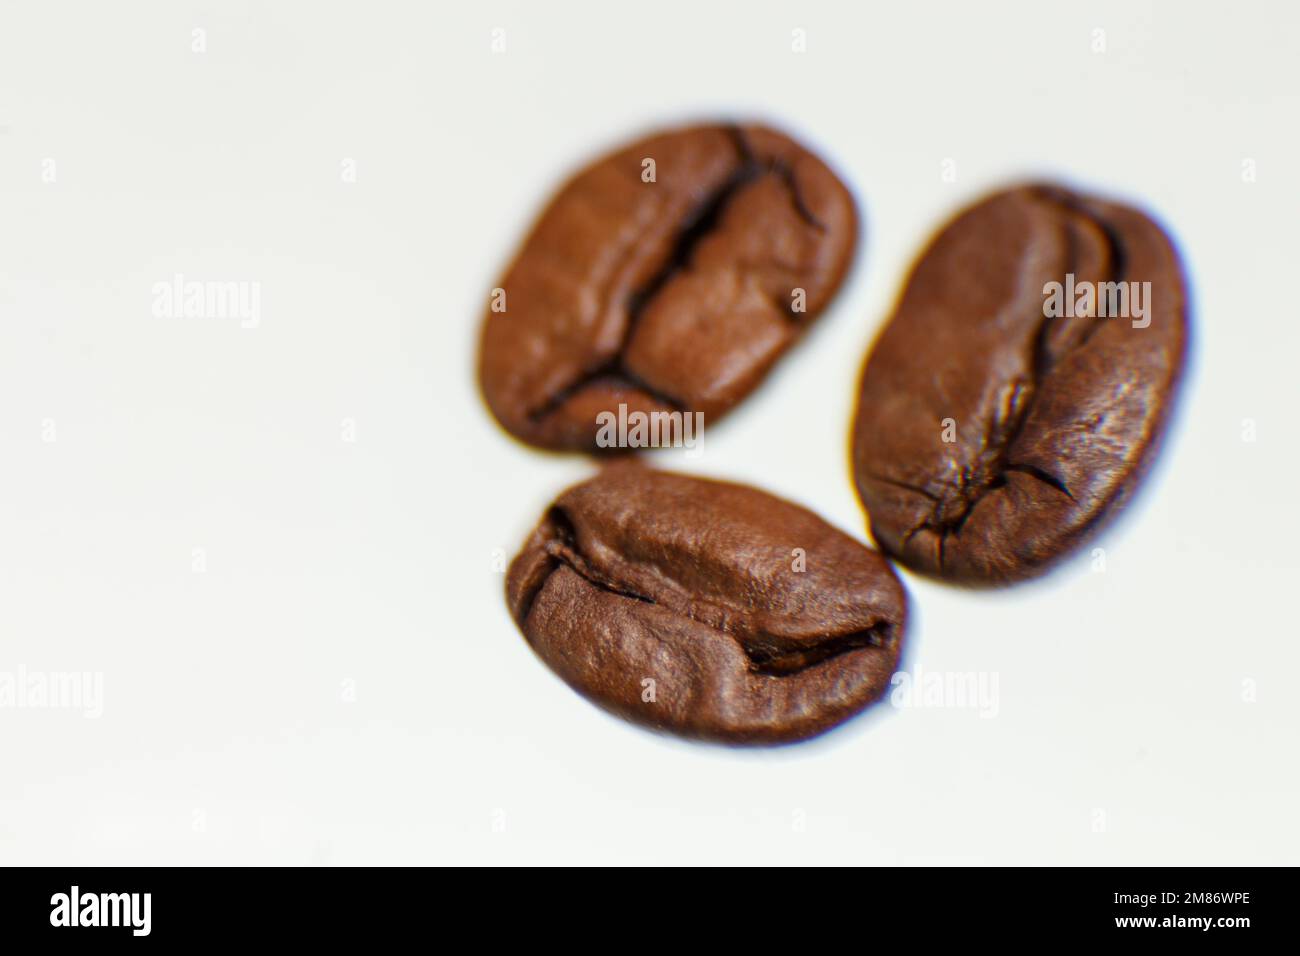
1146, 714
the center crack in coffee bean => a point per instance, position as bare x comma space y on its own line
700, 222
672, 293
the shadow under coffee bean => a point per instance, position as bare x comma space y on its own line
666, 278
1001, 418
707, 609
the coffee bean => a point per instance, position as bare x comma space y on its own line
667, 277
1001, 418
707, 609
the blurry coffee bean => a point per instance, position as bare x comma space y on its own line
667, 278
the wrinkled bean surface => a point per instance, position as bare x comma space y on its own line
990, 439
707, 609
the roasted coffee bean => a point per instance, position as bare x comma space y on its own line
668, 278
1001, 416
707, 609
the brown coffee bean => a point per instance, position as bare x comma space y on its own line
668, 277
707, 609
1000, 422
